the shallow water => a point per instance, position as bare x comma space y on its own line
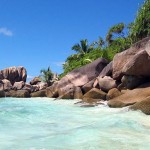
44, 124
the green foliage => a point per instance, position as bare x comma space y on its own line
116, 41
79, 60
116, 29
141, 26
83, 47
46, 75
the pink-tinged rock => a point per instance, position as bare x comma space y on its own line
126, 57
1, 75
14, 74
78, 93
131, 82
107, 71
35, 80
49, 93
18, 85
42, 85
22, 73
6, 85
83, 75
96, 84
88, 86
61, 87
95, 94
147, 48
65, 89
68, 95
131, 96
35, 88
28, 87
139, 65
106, 83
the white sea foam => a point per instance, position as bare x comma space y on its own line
46, 124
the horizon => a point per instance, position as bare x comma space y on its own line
37, 34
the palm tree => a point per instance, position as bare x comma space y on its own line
100, 43
115, 30
83, 47
47, 75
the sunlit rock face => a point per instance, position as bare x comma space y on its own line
14, 74
133, 61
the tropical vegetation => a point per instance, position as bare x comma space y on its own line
46, 75
119, 38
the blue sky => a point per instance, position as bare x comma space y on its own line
40, 33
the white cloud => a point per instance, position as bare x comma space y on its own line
30, 77
6, 32
59, 64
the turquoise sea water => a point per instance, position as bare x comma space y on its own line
44, 124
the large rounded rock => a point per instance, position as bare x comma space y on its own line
131, 96
143, 105
139, 65
106, 83
28, 87
6, 85
18, 85
35, 80
123, 63
83, 75
67, 95
65, 89
95, 94
78, 77
41, 93
78, 93
131, 82
14, 74
42, 85
107, 71
88, 86
113, 93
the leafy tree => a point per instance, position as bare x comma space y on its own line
100, 43
113, 31
141, 26
47, 75
83, 47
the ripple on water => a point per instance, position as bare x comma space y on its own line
44, 124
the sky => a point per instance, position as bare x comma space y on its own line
40, 33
